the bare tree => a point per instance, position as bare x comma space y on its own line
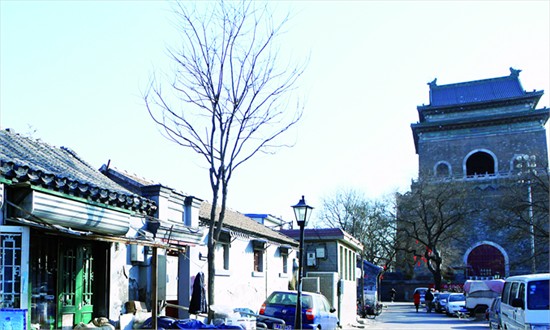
370, 221
430, 218
228, 96
523, 209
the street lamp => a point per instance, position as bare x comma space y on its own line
302, 212
529, 163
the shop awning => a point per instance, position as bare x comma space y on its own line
74, 214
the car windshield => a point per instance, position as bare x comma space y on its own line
289, 299
457, 297
443, 296
537, 295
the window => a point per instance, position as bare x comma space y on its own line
442, 170
224, 255
14, 259
347, 264
506, 293
513, 291
222, 259
258, 261
223, 246
521, 292
283, 250
259, 246
537, 295
480, 163
341, 257
10, 280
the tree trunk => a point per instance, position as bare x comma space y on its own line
211, 272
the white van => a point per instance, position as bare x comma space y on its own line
525, 302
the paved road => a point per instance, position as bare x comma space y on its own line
402, 316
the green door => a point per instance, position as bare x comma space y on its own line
75, 278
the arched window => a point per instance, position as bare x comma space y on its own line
480, 163
442, 170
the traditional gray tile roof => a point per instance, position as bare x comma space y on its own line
239, 222
234, 221
130, 181
27, 160
485, 90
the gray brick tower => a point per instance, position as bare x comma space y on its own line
488, 133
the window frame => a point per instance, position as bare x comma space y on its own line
23, 265
258, 261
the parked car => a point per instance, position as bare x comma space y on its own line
455, 302
316, 311
493, 314
441, 302
525, 302
422, 292
434, 301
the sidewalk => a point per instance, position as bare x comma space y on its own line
360, 323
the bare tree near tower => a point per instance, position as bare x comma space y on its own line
431, 218
229, 95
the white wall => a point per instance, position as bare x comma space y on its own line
120, 276
240, 286
348, 304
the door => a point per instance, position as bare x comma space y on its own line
75, 279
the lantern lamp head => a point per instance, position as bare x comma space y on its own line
302, 212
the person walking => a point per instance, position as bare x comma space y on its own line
392, 294
416, 299
428, 298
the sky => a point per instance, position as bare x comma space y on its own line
72, 73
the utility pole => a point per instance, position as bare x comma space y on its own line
526, 165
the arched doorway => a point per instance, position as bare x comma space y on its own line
486, 261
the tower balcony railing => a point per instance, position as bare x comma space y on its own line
504, 176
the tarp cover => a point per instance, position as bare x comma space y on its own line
483, 285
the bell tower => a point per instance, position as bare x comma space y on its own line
488, 133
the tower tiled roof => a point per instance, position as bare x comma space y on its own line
486, 90
27, 160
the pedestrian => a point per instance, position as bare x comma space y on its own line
416, 299
392, 294
428, 299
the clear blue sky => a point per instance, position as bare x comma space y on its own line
72, 74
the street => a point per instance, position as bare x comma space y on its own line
400, 315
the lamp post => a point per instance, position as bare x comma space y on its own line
302, 212
529, 163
